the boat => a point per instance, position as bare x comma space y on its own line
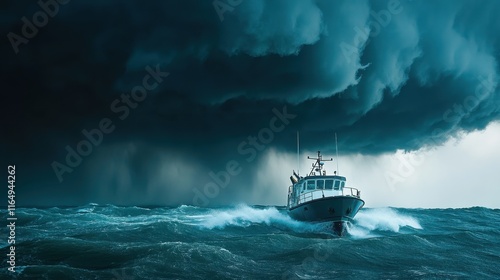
319, 197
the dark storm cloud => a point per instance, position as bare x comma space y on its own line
384, 75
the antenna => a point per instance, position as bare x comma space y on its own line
317, 166
298, 154
337, 150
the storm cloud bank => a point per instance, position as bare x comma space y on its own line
384, 75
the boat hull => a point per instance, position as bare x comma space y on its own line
337, 209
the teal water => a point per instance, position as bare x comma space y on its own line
110, 242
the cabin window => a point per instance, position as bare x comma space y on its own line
342, 184
337, 184
320, 184
298, 187
328, 184
311, 184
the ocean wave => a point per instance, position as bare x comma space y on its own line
369, 221
261, 241
244, 216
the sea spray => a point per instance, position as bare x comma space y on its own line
386, 219
244, 216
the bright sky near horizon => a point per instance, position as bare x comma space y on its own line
463, 172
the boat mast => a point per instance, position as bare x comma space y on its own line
337, 151
298, 154
318, 165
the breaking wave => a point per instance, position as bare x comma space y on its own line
370, 221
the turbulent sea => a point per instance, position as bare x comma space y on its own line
186, 242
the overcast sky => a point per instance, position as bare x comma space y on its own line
198, 102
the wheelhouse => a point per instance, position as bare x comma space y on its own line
318, 185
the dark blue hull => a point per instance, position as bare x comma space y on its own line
337, 209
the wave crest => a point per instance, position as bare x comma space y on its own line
381, 219
244, 216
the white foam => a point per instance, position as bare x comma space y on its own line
381, 219
365, 224
244, 216
88, 209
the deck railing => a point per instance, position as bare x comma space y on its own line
353, 192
